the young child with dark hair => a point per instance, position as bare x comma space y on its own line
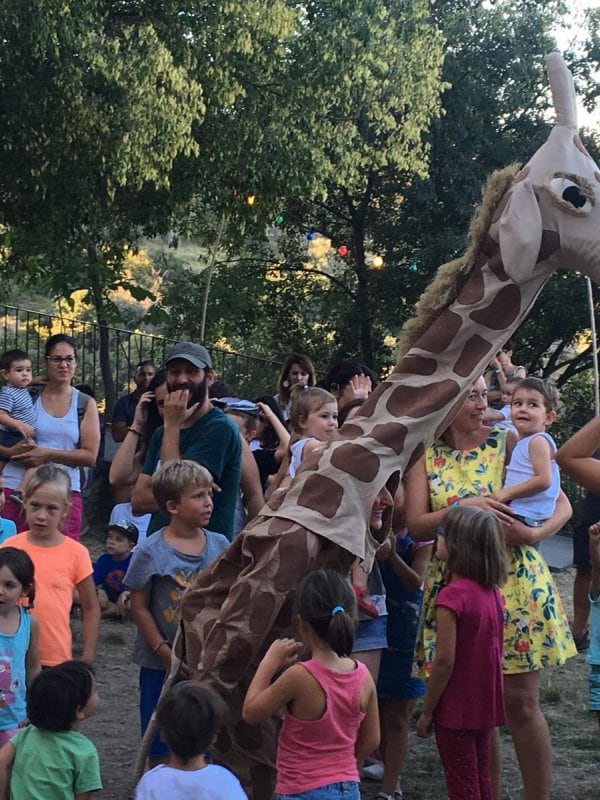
500, 418
19, 655
532, 481
111, 567
50, 758
464, 700
161, 569
188, 717
330, 722
17, 414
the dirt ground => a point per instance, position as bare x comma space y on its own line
576, 742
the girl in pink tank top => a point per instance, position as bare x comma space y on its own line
331, 722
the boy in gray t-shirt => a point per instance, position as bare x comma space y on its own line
161, 568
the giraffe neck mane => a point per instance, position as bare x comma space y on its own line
450, 277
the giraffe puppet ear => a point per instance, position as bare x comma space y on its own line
520, 232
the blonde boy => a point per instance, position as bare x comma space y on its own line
162, 567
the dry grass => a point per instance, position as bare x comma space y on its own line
575, 737
574, 732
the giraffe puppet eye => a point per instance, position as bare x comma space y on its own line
578, 195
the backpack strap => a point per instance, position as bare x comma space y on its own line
82, 404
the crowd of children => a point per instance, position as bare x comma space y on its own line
334, 714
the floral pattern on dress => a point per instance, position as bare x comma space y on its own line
536, 630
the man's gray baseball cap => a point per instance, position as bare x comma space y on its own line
196, 354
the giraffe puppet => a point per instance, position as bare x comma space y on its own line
530, 223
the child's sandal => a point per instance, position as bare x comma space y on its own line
383, 796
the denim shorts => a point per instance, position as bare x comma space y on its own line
347, 790
370, 635
594, 681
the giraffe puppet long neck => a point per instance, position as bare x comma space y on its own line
411, 407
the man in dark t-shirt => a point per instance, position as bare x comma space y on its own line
193, 429
125, 406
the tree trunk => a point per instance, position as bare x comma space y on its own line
363, 306
106, 372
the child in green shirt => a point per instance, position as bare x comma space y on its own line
50, 759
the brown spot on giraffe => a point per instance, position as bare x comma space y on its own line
263, 607
350, 430
223, 741
418, 401
239, 651
217, 641
579, 145
415, 456
391, 434
321, 493
473, 289
372, 402
250, 734
278, 526
357, 461
441, 333
502, 311
416, 365
208, 627
276, 499
494, 259
310, 462
292, 557
474, 350
550, 244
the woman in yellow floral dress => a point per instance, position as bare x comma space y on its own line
465, 466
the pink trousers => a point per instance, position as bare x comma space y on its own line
465, 757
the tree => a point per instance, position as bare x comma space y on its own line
344, 107
102, 104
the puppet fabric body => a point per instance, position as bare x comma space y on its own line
529, 224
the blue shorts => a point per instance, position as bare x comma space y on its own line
151, 683
371, 634
394, 681
594, 682
347, 790
8, 439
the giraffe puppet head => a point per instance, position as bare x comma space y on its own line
550, 217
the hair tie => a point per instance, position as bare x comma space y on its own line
337, 610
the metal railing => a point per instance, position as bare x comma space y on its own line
29, 330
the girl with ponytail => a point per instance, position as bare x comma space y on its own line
331, 722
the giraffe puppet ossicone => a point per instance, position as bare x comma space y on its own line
530, 223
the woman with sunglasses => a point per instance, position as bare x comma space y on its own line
64, 434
